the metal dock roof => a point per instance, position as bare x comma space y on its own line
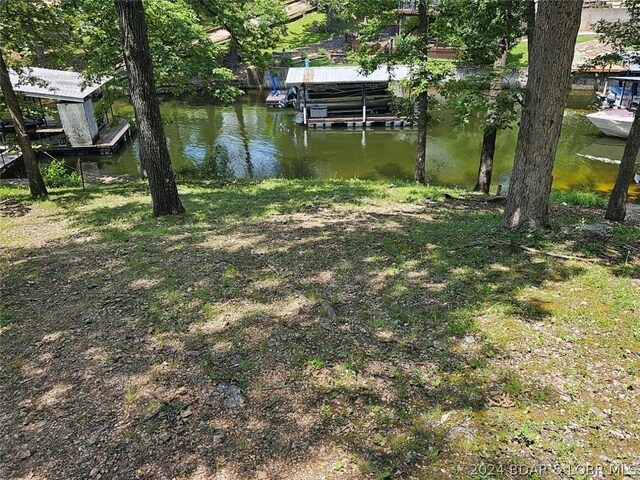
345, 74
54, 84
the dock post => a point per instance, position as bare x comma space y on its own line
304, 104
81, 174
364, 106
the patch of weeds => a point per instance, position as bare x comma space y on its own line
153, 425
7, 317
525, 434
130, 396
511, 384
315, 364
17, 364
326, 413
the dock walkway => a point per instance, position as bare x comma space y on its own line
356, 122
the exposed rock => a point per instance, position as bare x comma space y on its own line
598, 231
234, 396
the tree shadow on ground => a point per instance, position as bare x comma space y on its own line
269, 330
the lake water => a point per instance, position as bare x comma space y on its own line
257, 142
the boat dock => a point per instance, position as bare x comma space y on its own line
277, 99
54, 141
356, 122
7, 160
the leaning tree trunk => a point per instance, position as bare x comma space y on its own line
617, 207
153, 144
557, 23
485, 171
36, 183
423, 100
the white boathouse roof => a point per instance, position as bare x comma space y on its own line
345, 74
57, 85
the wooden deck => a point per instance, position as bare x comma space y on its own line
109, 141
113, 136
356, 122
276, 99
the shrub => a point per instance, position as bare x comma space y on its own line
57, 174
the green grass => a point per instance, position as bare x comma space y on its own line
519, 55
400, 333
299, 32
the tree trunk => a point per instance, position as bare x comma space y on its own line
485, 171
617, 207
153, 145
531, 25
557, 23
423, 100
36, 183
234, 56
483, 183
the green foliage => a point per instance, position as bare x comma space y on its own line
410, 49
184, 58
56, 174
476, 26
578, 198
33, 33
469, 97
255, 25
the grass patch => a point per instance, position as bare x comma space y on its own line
518, 57
301, 32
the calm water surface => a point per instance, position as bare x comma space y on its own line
258, 142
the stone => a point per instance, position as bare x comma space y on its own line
93, 439
599, 231
165, 437
233, 394
24, 453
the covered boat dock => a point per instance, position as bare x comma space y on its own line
346, 96
76, 131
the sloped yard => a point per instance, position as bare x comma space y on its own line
307, 330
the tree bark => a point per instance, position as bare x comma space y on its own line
36, 183
557, 23
617, 207
531, 25
485, 171
423, 101
153, 146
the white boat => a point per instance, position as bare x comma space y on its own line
620, 100
615, 122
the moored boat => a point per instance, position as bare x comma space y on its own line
619, 105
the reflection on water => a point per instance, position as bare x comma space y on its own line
257, 142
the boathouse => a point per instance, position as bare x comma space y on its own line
77, 130
345, 95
